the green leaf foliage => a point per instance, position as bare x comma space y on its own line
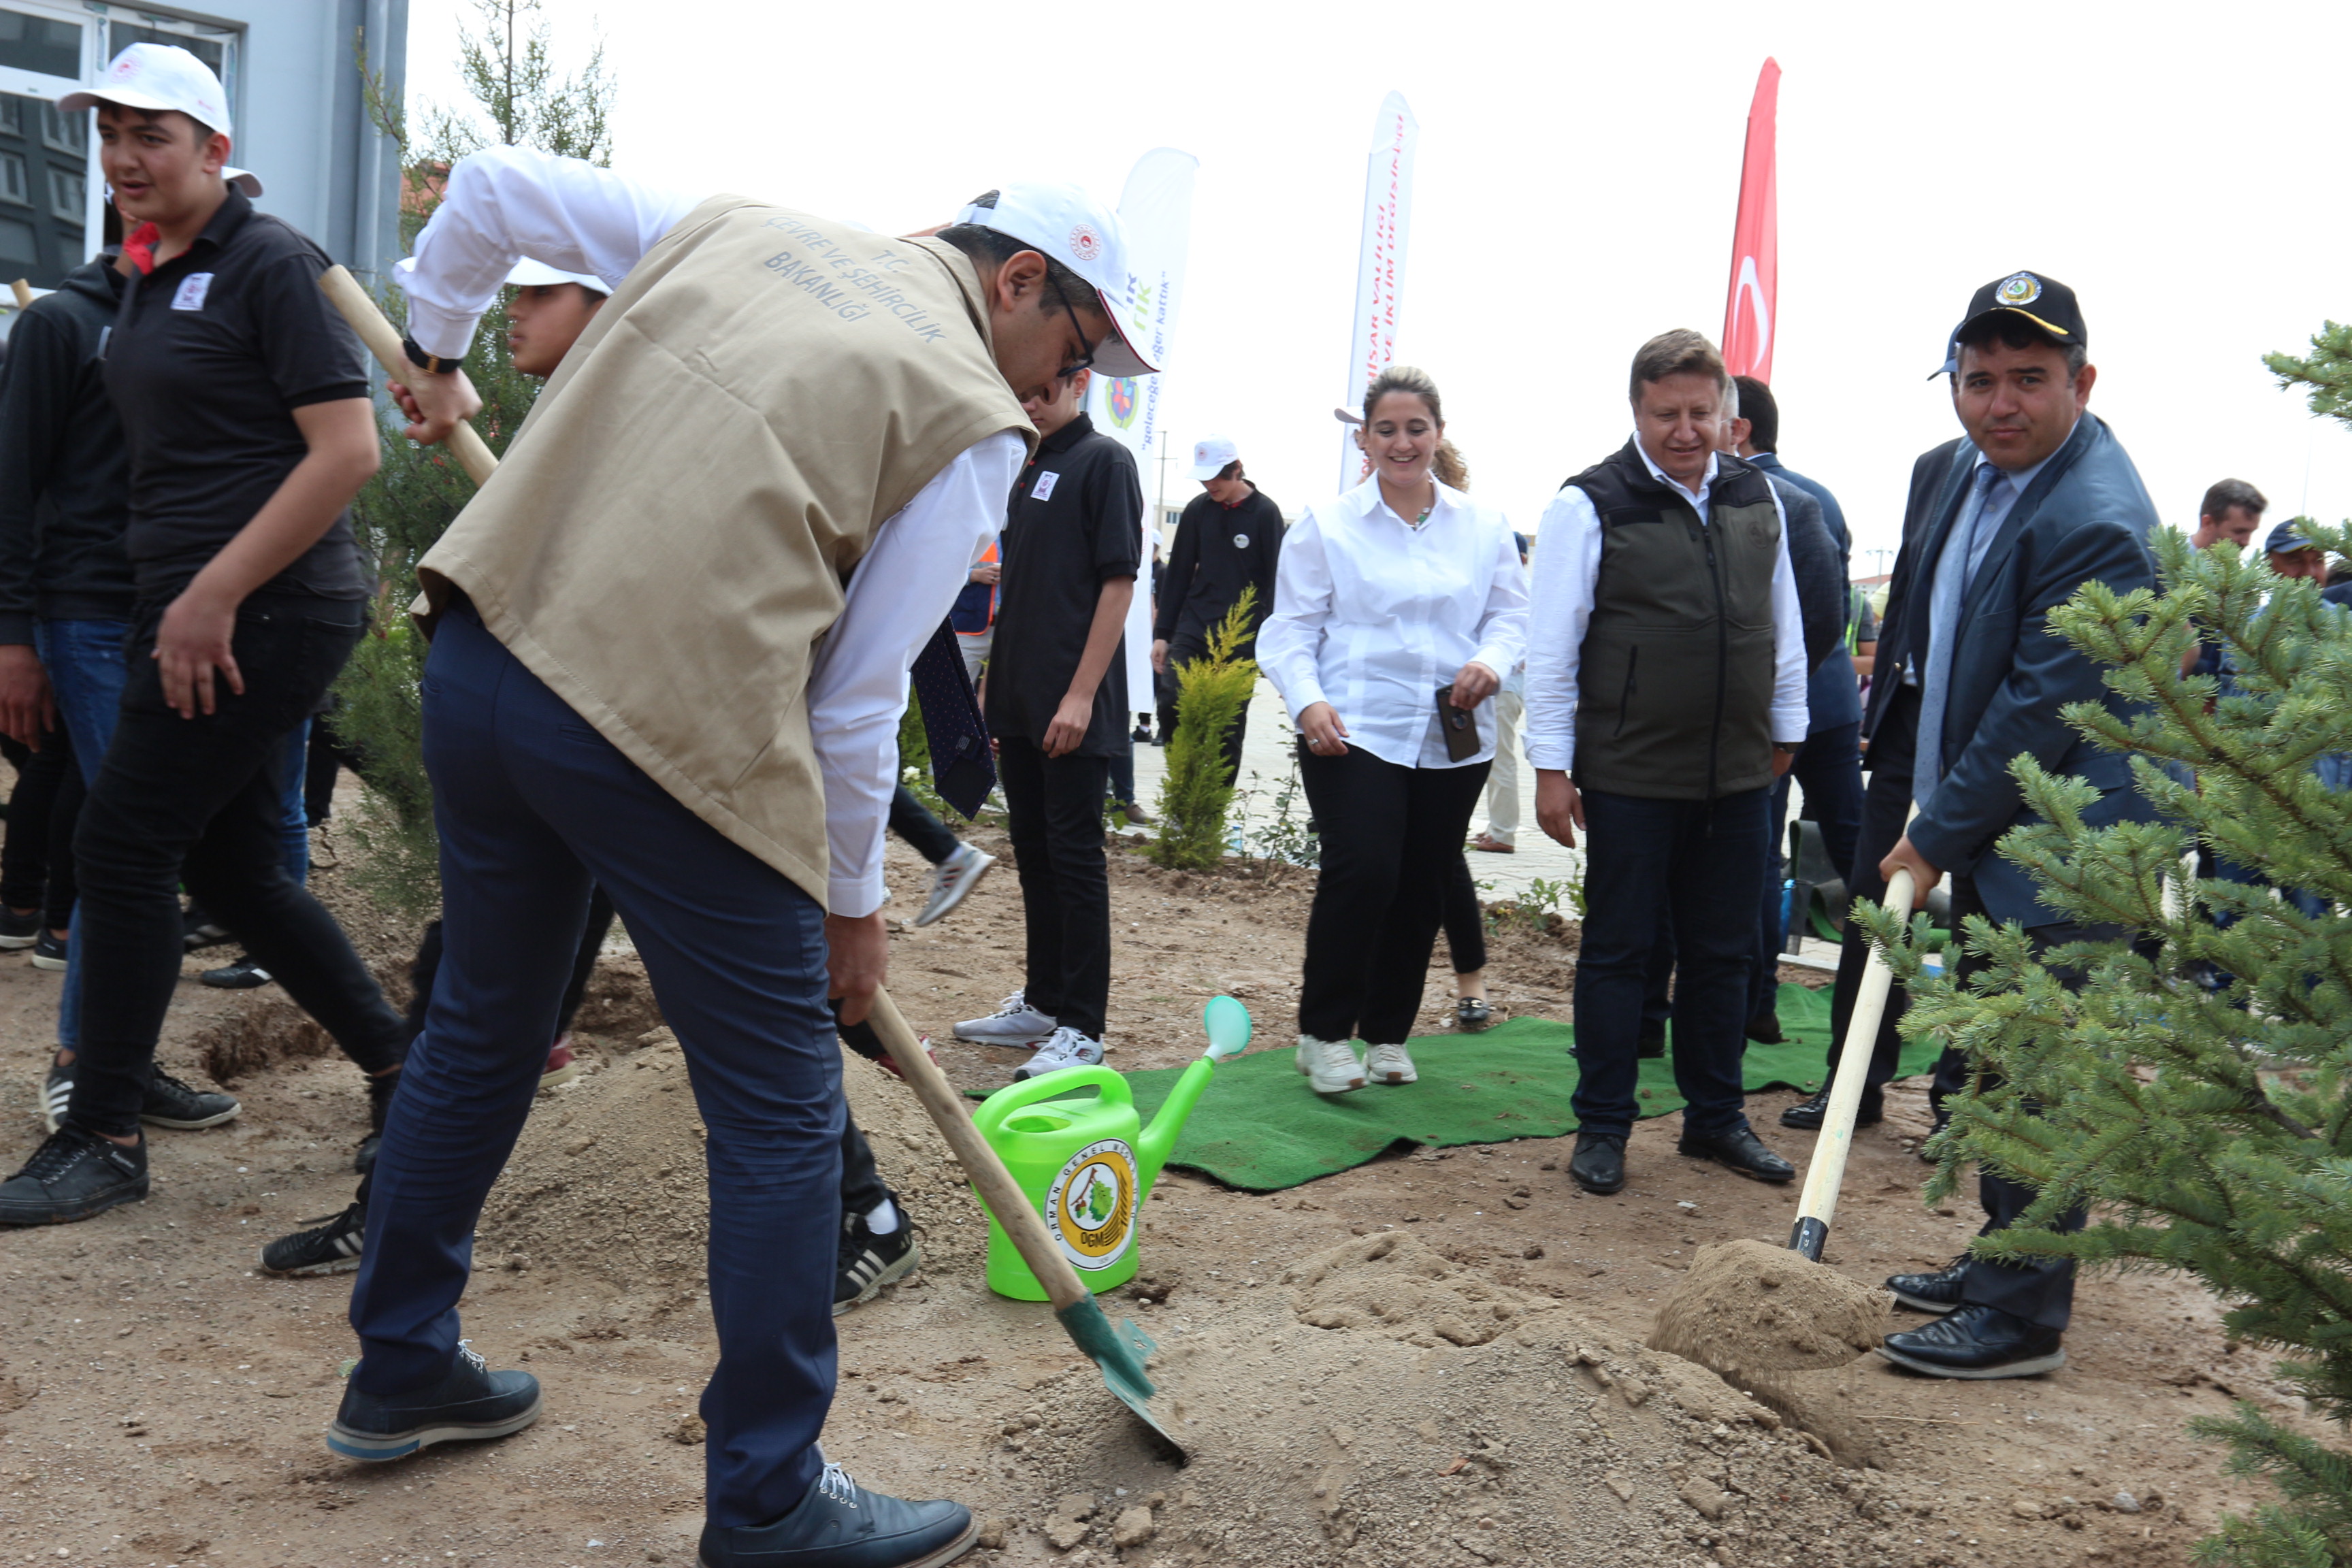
1211, 693
2208, 1129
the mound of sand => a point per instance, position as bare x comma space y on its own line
1745, 1307
609, 1177
1390, 1407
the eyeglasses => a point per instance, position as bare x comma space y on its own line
1068, 371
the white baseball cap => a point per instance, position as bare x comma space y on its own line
1210, 454
245, 180
158, 76
1065, 223
529, 274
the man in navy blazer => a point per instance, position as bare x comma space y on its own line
2040, 500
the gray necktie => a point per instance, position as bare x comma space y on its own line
1953, 568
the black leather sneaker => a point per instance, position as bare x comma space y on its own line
331, 1248
50, 951
1598, 1162
73, 1176
244, 975
865, 1262
1936, 1292
1764, 1028
19, 930
1737, 1150
171, 1103
1807, 1115
470, 1404
839, 1524
1652, 1044
1977, 1341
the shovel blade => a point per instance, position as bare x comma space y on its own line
1118, 1353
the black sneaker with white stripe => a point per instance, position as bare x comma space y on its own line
169, 1102
866, 1262
331, 1248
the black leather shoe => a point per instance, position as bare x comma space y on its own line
1936, 1292
1977, 1341
1807, 1115
471, 1403
1765, 1028
73, 1176
839, 1524
1652, 1044
1738, 1149
1599, 1164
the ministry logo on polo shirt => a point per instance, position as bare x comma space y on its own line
1044, 490
192, 289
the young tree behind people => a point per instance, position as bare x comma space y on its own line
244, 405
1665, 696
1400, 576
1057, 710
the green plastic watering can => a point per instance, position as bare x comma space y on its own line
1088, 1163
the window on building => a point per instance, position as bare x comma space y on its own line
65, 132
50, 45
20, 252
12, 114
68, 196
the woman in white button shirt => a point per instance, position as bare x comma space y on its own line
1386, 594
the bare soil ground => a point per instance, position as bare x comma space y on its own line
1435, 1358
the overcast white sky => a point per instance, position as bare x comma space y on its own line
1578, 174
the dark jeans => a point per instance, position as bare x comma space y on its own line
1053, 810
1182, 651
533, 805
1829, 769
1697, 863
203, 800
912, 820
1465, 922
37, 854
425, 968
1390, 836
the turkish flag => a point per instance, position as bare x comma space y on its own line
1748, 314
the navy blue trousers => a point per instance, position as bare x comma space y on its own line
1698, 865
533, 803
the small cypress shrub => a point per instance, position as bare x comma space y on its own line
1212, 692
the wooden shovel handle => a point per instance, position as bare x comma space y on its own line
24, 292
1006, 1201
360, 309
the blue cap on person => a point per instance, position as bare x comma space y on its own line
1064, 224
2289, 536
158, 76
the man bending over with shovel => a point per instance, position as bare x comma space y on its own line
671, 644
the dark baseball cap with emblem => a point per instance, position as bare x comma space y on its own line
2043, 302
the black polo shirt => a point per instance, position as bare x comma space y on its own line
211, 354
1075, 522
1220, 550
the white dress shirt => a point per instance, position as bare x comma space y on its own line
508, 202
1567, 567
1373, 614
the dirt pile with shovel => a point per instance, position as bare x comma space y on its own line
1379, 1405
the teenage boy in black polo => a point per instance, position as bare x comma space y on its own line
1057, 709
1229, 539
243, 401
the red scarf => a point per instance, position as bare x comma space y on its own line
140, 246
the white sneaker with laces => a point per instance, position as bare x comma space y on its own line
1330, 1065
1390, 1064
951, 878
1015, 1022
1066, 1048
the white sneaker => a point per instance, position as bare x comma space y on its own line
1065, 1048
1014, 1024
951, 878
1330, 1065
1389, 1064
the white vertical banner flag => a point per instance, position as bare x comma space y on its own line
1379, 264
1156, 210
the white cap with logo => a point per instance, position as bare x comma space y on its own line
158, 76
1211, 454
1065, 223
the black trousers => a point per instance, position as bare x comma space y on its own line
1391, 835
1184, 650
1695, 863
1829, 769
37, 854
1465, 923
203, 800
328, 757
912, 820
1052, 808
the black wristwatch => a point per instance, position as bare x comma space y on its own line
431, 364
1785, 747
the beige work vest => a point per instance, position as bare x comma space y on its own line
668, 544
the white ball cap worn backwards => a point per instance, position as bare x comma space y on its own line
529, 274
1210, 454
1065, 223
158, 76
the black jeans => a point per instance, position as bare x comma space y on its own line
1052, 808
203, 800
912, 820
1465, 922
37, 854
1829, 769
1696, 863
1390, 836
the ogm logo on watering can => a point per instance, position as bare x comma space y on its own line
1090, 1207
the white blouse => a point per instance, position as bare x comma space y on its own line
1372, 614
